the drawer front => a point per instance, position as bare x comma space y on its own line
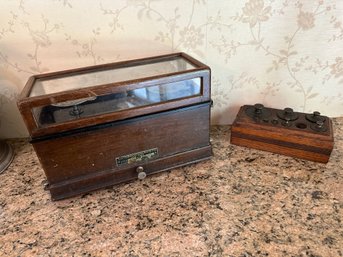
124, 145
103, 179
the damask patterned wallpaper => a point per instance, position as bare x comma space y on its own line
276, 52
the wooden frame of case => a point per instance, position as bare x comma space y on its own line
72, 158
26, 103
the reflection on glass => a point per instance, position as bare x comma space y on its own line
54, 85
91, 106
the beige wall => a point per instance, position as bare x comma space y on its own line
280, 53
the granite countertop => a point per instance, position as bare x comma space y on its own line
242, 202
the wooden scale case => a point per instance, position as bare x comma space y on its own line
98, 126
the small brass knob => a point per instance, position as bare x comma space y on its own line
141, 173
258, 108
287, 115
314, 117
316, 114
288, 111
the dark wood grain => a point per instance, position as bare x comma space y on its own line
83, 155
171, 132
300, 143
78, 154
101, 179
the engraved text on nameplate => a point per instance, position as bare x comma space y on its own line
145, 155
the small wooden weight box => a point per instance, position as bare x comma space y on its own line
307, 136
98, 126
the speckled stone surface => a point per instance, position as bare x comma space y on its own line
243, 202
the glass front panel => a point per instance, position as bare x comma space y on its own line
137, 71
91, 106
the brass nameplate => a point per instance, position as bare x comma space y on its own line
143, 156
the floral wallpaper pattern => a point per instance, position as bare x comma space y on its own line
279, 53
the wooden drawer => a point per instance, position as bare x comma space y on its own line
107, 178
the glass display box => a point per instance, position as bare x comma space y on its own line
97, 126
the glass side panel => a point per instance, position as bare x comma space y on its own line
137, 71
92, 106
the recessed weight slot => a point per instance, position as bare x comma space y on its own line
301, 125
